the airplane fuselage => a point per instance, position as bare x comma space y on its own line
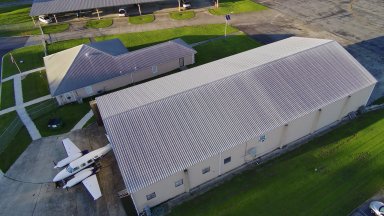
81, 163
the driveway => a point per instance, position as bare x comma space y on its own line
27, 188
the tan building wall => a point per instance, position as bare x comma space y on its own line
236, 155
195, 172
165, 189
260, 148
358, 99
299, 128
123, 80
330, 113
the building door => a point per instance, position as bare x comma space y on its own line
181, 62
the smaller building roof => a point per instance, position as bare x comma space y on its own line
112, 47
86, 65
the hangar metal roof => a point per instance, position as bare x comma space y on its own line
40, 7
169, 124
85, 65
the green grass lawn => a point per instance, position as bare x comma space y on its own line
141, 19
15, 14
55, 28
103, 23
221, 48
32, 57
7, 95
378, 101
14, 149
190, 34
349, 167
6, 119
4, 1
90, 121
182, 15
62, 45
236, 6
35, 85
15, 21
70, 114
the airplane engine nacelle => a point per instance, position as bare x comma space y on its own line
68, 160
80, 176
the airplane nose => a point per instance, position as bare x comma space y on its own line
56, 178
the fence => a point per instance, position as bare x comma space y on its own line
42, 108
34, 111
9, 133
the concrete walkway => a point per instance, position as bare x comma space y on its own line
27, 121
31, 127
35, 101
23, 74
83, 121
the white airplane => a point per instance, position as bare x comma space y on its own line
79, 162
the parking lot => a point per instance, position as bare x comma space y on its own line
364, 210
27, 188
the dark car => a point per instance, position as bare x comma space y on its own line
55, 123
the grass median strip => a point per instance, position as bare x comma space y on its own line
7, 95
142, 19
55, 28
330, 175
236, 6
103, 23
190, 34
182, 15
35, 85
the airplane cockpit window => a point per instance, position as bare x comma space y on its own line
90, 161
75, 169
83, 165
69, 169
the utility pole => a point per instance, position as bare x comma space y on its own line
14, 62
43, 39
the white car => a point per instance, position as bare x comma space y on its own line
45, 19
122, 12
377, 208
186, 5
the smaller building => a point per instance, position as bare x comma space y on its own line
90, 69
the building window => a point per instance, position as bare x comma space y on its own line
154, 69
178, 183
227, 160
151, 196
206, 169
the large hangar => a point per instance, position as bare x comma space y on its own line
175, 133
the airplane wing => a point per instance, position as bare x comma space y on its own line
70, 147
92, 186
